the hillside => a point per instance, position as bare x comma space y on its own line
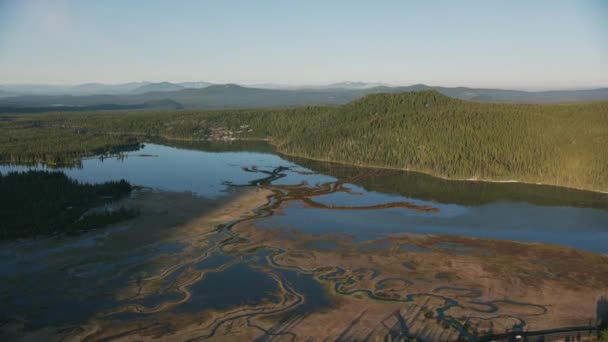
429, 132
518, 96
423, 131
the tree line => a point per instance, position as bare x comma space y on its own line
559, 144
43, 202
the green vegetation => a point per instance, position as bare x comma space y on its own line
423, 186
603, 336
41, 202
428, 132
49, 141
424, 131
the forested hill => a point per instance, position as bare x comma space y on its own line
430, 132
559, 144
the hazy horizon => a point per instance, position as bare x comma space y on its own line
288, 86
544, 45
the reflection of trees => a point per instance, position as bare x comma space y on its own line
469, 193
602, 312
302, 192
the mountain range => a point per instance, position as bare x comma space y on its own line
96, 88
204, 95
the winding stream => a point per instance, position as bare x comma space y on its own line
208, 272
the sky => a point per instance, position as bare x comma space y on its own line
520, 44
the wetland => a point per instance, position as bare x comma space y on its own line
237, 242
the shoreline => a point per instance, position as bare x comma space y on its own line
277, 150
367, 166
178, 240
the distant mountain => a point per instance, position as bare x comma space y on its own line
194, 85
4, 93
354, 85
280, 86
236, 96
340, 85
161, 87
100, 88
96, 88
212, 97
34, 89
518, 96
76, 90
156, 104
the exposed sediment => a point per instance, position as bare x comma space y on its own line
438, 288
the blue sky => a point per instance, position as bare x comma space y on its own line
509, 44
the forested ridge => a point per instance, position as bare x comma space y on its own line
560, 144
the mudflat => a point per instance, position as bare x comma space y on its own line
436, 286
79, 276
193, 268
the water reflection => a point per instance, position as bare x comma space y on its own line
489, 210
318, 199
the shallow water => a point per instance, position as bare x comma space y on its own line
174, 169
581, 228
519, 212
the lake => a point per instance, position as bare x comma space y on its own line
521, 212
267, 263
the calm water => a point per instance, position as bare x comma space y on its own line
174, 169
62, 283
502, 211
